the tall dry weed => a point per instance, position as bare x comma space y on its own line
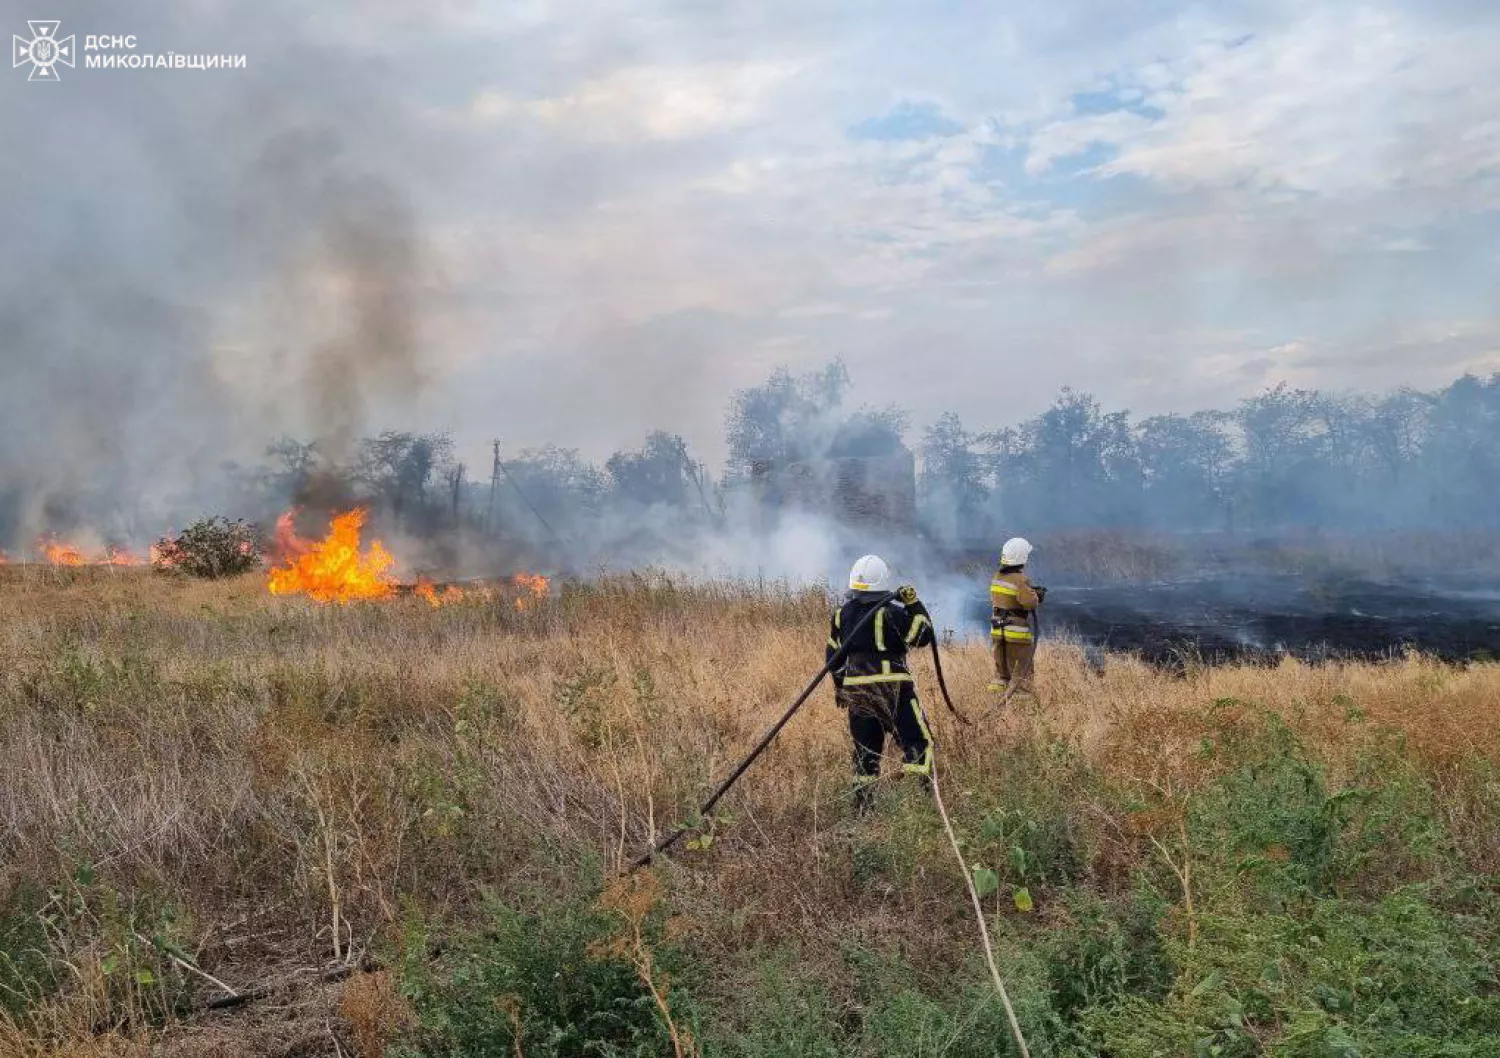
316, 771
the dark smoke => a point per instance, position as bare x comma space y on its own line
199, 263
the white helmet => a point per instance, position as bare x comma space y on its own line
870, 574
1015, 552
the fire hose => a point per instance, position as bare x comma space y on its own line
832, 663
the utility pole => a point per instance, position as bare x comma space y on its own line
458, 485
695, 474
489, 518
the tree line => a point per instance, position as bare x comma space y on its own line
1285, 459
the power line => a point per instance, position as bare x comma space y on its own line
524, 498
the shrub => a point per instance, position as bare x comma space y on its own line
549, 984
210, 548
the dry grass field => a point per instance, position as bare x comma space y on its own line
205, 781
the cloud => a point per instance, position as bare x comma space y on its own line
1336, 104
651, 102
1066, 139
613, 216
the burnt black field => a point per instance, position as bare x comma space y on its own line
1262, 618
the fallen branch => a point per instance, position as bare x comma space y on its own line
261, 991
186, 965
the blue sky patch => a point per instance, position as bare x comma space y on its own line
907, 121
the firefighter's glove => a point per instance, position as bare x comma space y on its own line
907, 594
1041, 593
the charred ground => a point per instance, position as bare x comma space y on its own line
1264, 618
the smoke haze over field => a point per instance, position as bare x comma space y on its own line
578, 223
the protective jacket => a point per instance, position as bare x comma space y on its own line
877, 654
1012, 598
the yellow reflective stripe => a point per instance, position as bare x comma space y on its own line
916, 706
833, 644
1018, 634
859, 585
885, 675
925, 766
838, 617
1000, 587
916, 629
996, 633
880, 630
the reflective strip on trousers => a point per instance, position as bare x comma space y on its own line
924, 767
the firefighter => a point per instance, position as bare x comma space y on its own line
873, 683
1013, 602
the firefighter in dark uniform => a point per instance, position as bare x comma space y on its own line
1013, 604
873, 683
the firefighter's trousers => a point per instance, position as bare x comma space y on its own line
875, 711
1015, 654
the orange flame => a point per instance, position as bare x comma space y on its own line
331, 569
287, 543
533, 588
428, 591
530, 588
58, 553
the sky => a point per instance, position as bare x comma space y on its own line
576, 222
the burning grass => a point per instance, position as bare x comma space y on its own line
262, 783
335, 569
341, 569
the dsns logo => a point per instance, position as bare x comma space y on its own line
44, 51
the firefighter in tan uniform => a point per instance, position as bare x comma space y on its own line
1013, 602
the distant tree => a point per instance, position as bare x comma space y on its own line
1461, 458
759, 422
1287, 445
563, 486
398, 466
1076, 465
786, 419
293, 464
953, 489
1395, 429
866, 432
656, 474
1186, 465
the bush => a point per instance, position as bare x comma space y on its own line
550, 984
210, 548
